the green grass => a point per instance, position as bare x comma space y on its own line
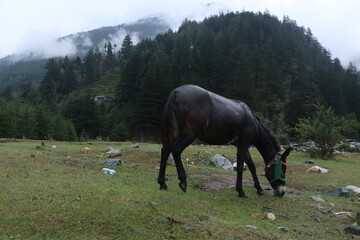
60, 193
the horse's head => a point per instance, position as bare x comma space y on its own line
275, 173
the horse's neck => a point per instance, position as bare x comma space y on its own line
266, 147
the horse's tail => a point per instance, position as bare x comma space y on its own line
167, 136
169, 126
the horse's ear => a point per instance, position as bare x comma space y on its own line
286, 154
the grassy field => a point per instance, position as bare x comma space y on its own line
60, 193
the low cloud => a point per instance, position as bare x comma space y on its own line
41, 46
116, 38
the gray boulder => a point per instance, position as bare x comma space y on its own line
317, 199
170, 159
114, 151
353, 230
340, 192
112, 162
221, 162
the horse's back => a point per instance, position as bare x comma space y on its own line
190, 98
209, 116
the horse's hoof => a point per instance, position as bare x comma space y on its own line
260, 192
242, 194
183, 186
163, 186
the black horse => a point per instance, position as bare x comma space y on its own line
192, 112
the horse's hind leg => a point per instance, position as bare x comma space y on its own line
249, 162
165, 152
181, 143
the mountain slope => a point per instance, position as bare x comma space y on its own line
29, 67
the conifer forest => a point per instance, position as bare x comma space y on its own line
275, 66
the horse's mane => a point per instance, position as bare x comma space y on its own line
271, 136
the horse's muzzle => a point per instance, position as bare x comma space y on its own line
280, 191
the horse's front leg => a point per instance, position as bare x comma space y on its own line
241, 155
249, 162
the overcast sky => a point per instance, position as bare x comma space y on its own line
32, 24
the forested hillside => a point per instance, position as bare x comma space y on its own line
277, 67
30, 66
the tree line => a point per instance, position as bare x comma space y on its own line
277, 67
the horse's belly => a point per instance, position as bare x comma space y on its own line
216, 137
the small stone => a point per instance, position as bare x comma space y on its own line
353, 188
353, 230
340, 192
258, 215
136, 145
251, 226
317, 169
309, 162
271, 216
284, 229
170, 159
189, 228
346, 213
114, 151
317, 199
284, 216
318, 206
268, 209
327, 211
84, 150
134, 165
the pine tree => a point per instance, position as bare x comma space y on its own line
241, 83
58, 128
27, 124
151, 95
126, 51
83, 112
269, 88
7, 94
69, 79
27, 93
93, 65
351, 89
48, 86
42, 123
331, 87
110, 60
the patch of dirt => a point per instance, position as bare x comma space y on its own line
219, 181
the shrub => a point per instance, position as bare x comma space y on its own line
326, 129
